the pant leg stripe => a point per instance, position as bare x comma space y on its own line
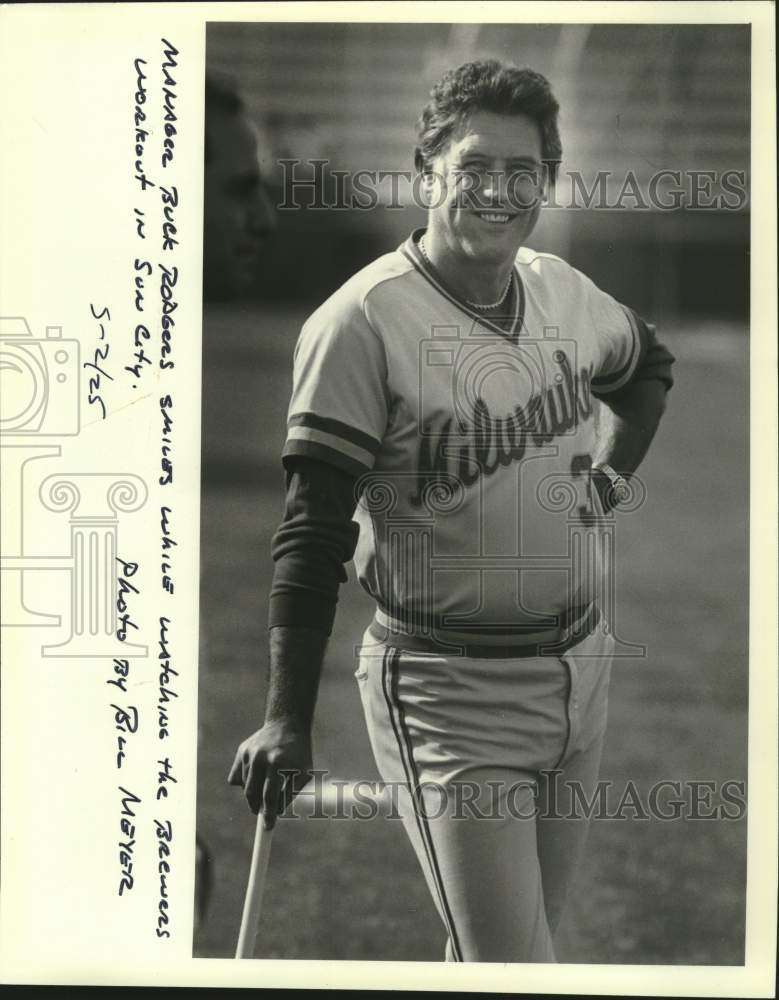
385, 683
403, 737
568, 686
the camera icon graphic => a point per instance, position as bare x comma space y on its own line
469, 375
39, 379
40, 384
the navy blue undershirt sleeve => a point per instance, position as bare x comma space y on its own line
656, 364
316, 537
655, 361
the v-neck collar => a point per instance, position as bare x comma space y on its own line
410, 249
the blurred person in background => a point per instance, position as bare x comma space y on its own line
238, 216
472, 685
238, 219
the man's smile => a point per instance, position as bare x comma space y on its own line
495, 218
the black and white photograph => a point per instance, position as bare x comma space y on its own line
388, 485
474, 524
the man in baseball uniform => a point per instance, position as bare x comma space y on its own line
466, 413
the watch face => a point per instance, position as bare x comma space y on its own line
619, 489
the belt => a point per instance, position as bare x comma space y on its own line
575, 625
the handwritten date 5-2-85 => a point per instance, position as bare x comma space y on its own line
94, 397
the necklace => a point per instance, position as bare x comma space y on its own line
481, 306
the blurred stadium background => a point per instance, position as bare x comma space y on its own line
634, 98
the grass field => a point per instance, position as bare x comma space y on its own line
648, 891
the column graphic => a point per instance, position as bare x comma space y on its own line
39, 378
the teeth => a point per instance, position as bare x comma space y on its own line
494, 217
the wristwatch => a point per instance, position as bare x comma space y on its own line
614, 490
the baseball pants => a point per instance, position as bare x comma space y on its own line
482, 755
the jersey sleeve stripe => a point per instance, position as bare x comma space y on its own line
616, 380
337, 429
314, 444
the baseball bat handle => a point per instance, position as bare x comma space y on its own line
252, 904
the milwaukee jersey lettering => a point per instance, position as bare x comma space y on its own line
472, 437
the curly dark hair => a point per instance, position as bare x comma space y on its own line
487, 85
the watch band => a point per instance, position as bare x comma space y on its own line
620, 487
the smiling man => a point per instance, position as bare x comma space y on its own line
485, 180
442, 398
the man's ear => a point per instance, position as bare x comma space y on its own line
548, 178
431, 188
426, 176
